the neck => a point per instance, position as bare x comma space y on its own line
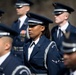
62, 23
21, 16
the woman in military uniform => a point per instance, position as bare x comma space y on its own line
40, 54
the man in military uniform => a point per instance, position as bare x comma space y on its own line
21, 25
61, 15
69, 50
9, 64
1, 13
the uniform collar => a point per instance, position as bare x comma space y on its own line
36, 41
23, 18
2, 58
64, 27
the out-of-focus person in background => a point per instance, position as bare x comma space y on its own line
69, 50
21, 25
40, 54
61, 14
9, 64
1, 13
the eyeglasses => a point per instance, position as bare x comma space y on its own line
18, 7
57, 14
31, 26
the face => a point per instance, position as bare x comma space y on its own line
2, 45
5, 45
61, 19
70, 60
23, 10
35, 31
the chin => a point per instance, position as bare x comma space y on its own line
56, 22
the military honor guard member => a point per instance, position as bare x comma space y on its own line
21, 25
69, 50
9, 64
1, 13
40, 54
61, 14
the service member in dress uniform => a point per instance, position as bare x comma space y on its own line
40, 54
9, 64
1, 13
69, 50
61, 14
21, 25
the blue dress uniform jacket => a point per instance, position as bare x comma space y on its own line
17, 43
10, 64
36, 62
15, 26
67, 72
70, 28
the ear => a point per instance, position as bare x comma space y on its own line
28, 8
7, 46
66, 15
42, 28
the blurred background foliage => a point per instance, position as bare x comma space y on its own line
42, 7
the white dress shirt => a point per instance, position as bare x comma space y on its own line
63, 28
22, 19
72, 73
30, 49
2, 58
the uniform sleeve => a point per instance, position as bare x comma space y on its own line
21, 70
53, 59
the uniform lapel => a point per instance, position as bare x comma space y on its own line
6, 62
69, 28
55, 34
37, 47
25, 25
17, 25
26, 50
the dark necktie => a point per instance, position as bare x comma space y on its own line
18, 23
33, 43
60, 34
